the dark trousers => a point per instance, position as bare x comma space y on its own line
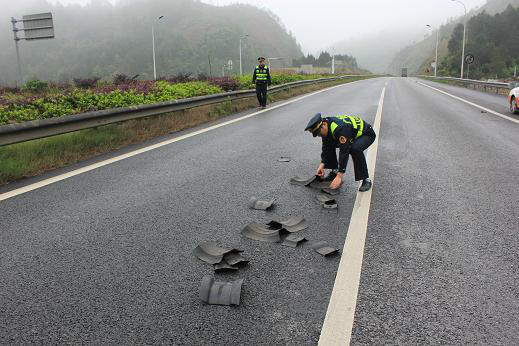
261, 92
357, 154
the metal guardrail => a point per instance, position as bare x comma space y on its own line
476, 82
16, 133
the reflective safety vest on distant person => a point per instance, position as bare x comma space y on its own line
261, 74
356, 122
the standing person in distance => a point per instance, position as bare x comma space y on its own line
261, 77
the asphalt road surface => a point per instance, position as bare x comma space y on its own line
104, 257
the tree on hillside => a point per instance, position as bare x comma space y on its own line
492, 41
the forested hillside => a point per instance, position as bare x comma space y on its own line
418, 57
101, 39
493, 42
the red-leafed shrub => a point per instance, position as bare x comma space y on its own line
226, 83
86, 83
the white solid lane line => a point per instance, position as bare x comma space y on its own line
472, 104
45, 182
338, 322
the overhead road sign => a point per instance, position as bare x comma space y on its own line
38, 26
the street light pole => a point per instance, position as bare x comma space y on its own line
464, 30
153, 44
16, 39
241, 69
436, 58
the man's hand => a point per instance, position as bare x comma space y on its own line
336, 183
320, 170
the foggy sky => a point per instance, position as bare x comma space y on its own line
319, 24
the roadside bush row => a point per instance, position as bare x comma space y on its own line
40, 100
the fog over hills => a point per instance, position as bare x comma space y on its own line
101, 39
418, 56
406, 45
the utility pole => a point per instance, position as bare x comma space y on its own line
333, 64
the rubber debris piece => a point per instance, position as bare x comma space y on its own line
284, 159
259, 232
319, 184
293, 240
234, 259
327, 202
254, 203
303, 182
223, 266
292, 224
211, 253
322, 247
220, 293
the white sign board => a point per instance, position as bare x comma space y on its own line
38, 26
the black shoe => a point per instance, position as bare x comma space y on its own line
366, 185
330, 176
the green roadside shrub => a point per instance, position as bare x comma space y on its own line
35, 86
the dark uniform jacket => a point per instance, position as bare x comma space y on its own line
343, 130
261, 75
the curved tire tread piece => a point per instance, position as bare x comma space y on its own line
303, 182
223, 266
259, 232
234, 259
220, 293
293, 240
211, 252
292, 224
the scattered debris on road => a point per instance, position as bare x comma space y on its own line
292, 224
293, 240
303, 182
220, 293
322, 248
284, 159
254, 203
223, 266
211, 253
327, 202
319, 184
259, 232
234, 259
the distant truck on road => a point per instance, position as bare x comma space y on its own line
404, 71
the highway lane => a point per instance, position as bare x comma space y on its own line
441, 253
495, 102
105, 257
